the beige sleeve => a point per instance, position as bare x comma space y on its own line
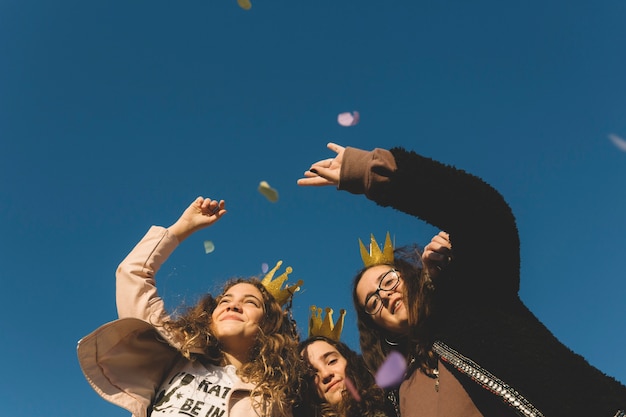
136, 292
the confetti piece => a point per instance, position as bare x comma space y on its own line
352, 389
348, 119
208, 246
391, 372
619, 142
269, 193
244, 4
264, 267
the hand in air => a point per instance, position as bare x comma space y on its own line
437, 254
326, 171
203, 212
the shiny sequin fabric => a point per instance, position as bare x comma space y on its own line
488, 381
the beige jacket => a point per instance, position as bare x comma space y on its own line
126, 360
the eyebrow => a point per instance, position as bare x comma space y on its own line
380, 277
245, 296
329, 353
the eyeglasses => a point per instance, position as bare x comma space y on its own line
388, 282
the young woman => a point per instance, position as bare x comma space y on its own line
474, 347
217, 359
330, 365
324, 393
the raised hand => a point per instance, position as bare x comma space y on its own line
203, 212
326, 171
437, 254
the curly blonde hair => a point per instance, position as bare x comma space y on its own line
274, 364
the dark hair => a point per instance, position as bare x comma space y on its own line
311, 405
377, 342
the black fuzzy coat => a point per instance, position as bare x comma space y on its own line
478, 309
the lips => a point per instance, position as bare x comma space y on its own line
395, 305
231, 317
333, 384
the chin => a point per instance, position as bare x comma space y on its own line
335, 398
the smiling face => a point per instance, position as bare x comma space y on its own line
236, 318
393, 314
330, 367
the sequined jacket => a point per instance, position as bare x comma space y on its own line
484, 329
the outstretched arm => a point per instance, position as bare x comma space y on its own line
464, 205
136, 291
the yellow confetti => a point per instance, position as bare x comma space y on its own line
244, 4
269, 193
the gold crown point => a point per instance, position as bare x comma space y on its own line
315, 320
325, 327
274, 286
374, 256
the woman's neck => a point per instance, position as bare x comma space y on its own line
237, 360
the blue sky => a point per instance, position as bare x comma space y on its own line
115, 115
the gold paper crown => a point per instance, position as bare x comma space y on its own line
319, 327
374, 256
273, 287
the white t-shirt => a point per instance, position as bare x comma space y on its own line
195, 390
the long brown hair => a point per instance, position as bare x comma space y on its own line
377, 342
372, 397
275, 357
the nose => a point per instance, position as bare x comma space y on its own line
234, 306
384, 296
327, 376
